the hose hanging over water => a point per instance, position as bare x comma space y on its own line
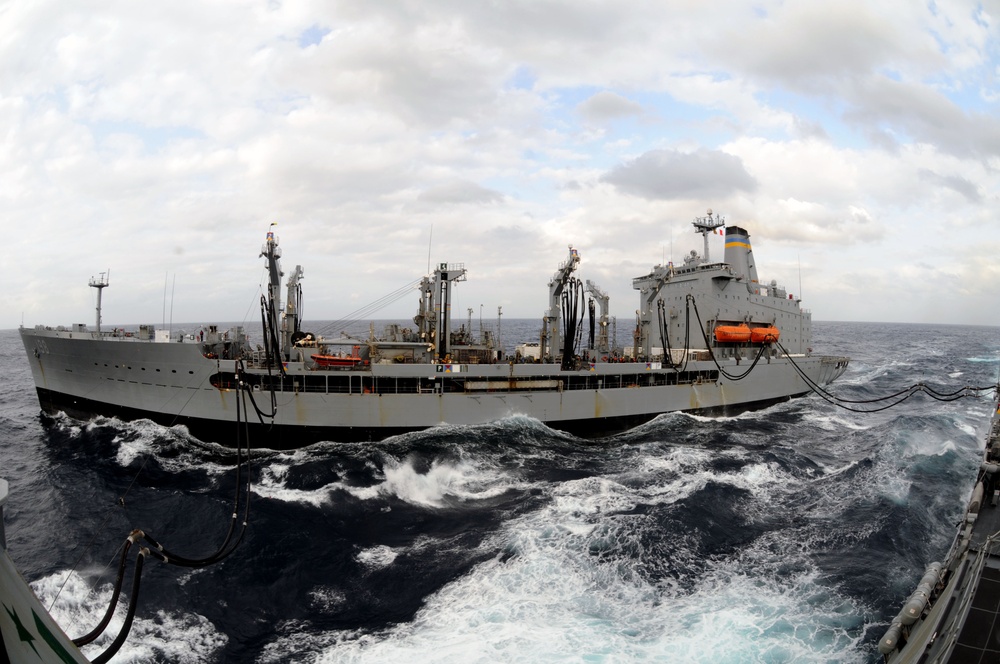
894, 399
228, 546
101, 626
160, 553
119, 641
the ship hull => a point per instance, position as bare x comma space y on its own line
292, 436
174, 383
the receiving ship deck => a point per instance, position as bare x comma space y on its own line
957, 619
979, 640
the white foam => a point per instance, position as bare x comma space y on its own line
927, 446
712, 418
327, 599
441, 480
139, 439
187, 637
967, 429
377, 557
556, 599
67, 424
732, 617
685, 470
134, 447
575, 583
444, 483
272, 485
838, 422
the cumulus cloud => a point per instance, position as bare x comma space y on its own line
809, 45
670, 174
460, 191
606, 106
359, 126
956, 183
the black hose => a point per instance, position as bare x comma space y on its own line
129, 617
708, 345
298, 300
897, 397
248, 389
665, 332
572, 320
228, 546
90, 636
163, 555
272, 348
900, 396
272, 358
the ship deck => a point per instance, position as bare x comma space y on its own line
979, 640
962, 624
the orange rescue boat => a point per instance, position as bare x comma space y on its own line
326, 361
765, 335
732, 333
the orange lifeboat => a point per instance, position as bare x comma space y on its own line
732, 333
331, 361
765, 335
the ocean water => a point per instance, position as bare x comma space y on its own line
787, 534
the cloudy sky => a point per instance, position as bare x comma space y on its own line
857, 142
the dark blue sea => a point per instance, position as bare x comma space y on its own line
788, 534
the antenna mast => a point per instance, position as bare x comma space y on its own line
430, 243
705, 224
800, 276
100, 284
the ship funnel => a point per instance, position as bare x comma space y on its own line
739, 255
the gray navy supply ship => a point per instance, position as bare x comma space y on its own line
953, 615
708, 337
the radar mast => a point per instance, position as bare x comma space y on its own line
100, 284
705, 225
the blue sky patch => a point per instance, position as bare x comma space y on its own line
154, 139
312, 35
